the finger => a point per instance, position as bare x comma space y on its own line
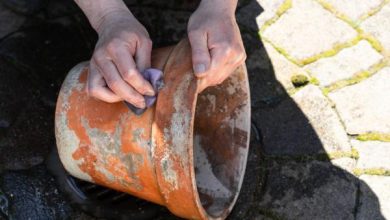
219, 57
96, 86
200, 52
118, 85
143, 54
125, 63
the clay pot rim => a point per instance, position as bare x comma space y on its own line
191, 106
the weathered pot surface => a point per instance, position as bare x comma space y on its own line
187, 153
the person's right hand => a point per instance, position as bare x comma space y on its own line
122, 51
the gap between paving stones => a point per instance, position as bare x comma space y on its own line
341, 83
373, 137
361, 34
345, 18
287, 4
371, 171
355, 25
331, 52
353, 154
357, 78
336, 48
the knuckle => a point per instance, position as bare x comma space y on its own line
226, 45
129, 75
239, 50
98, 54
243, 56
218, 60
229, 49
148, 43
240, 56
131, 36
113, 45
113, 83
126, 35
225, 51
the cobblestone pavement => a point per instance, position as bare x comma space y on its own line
320, 84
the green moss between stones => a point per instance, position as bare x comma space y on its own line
325, 91
331, 52
371, 171
292, 91
338, 14
361, 34
280, 50
314, 81
373, 11
355, 79
299, 80
354, 154
346, 82
374, 137
284, 7
373, 41
287, 4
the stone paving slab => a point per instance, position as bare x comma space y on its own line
345, 163
313, 190
345, 64
365, 107
354, 9
270, 8
307, 29
265, 89
378, 25
283, 68
372, 154
303, 125
374, 192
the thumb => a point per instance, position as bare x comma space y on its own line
200, 53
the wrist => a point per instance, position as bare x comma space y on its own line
99, 11
115, 15
227, 7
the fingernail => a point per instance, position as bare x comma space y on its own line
200, 68
150, 93
141, 104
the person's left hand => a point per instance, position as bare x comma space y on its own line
217, 48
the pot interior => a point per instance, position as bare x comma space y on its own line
221, 134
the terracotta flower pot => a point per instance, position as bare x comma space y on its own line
187, 153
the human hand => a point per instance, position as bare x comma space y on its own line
217, 48
121, 53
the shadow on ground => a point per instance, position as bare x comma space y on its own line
288, 175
